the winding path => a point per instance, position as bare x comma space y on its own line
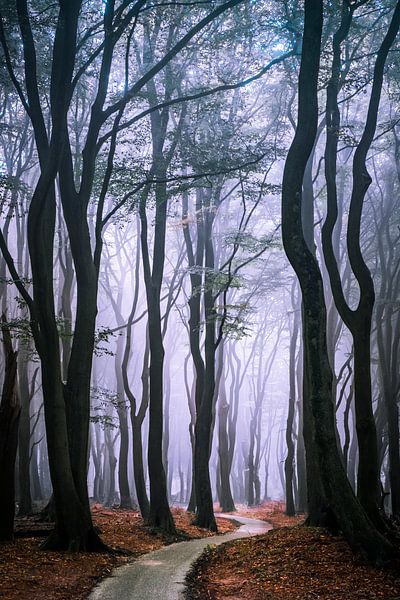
160, 575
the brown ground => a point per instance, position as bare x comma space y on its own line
288, 563
273, 512
26, 572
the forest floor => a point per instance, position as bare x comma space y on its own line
26, 572
290, 562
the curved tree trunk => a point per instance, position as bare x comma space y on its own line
357, 528
358, 320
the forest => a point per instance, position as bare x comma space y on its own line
200, 298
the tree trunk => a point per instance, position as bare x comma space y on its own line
203, 429
301, 463
167, 403
358, 320
289, 466
9, 417
388, 341
123, 483
160, 515
24, 436
226, 499
250, 462
358, 530
138, 468
112, 466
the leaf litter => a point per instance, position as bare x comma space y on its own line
27, 572
291, 562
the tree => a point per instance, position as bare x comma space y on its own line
357, 320
67, 406
289, 466
358, 530
9, 416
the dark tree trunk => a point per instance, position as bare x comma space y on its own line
358, 320
368, 477
394, 459
66, 302
24, 435
204, 501
166, 433
301, 470
195, 259
137, 427
190, 393
201, 495
74, 529
9, 418
316, 501
388, 334
347, 433
160, 514
357, 528
137, 416
353, 452
123, 483
138, 469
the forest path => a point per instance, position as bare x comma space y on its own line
160, 575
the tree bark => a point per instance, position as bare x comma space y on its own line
9, 418
24, 434
160, 515
358, 320
357, 528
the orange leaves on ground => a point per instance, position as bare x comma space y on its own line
26, 572
273, 512
296, 563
